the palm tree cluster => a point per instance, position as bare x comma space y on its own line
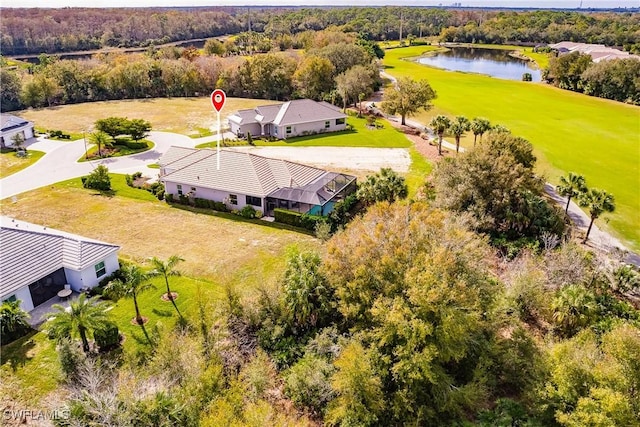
459, 126
595, 200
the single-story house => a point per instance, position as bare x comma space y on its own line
37, 262
598, 52
284, 120
249, 179
12, 125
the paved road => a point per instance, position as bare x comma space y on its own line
61, 162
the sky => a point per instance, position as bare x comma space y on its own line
169, 3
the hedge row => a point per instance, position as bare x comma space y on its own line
297, 219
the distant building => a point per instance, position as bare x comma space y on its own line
246, 179
13, 125
598, 52
37, 262
284, 120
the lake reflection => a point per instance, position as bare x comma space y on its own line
493, 62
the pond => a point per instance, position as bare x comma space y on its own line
493, 62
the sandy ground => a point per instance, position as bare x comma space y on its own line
370, 159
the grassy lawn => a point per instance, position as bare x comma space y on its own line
10, 163
419, 169
385, 137
570, 131
188, 116
219, 250
116, 150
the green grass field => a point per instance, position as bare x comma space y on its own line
10, 163
570, 131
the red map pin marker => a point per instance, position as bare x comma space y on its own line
218, 97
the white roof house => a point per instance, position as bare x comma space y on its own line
36, 262
249, 179
598, 52
288, 119
10, 126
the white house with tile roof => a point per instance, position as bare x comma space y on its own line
248, 179
285, 120
11, 126
36, 262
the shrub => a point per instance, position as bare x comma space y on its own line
160, 194
202, 203
247, 212
107, 338
250, 138
168, 198
297, 219
98, 179
136, 145
129, 180
13, 321
308, 383
71, 356
218, 206
184, 200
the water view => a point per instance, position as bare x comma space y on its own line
493, 62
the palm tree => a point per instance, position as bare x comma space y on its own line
13, 320
598, 202
134, 283
459, 126
479, 125
571, 186
440, 124
574, 308
99, 138
500, 129
83, 315
166, 269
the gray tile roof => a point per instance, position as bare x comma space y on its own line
304, 111
240, 172
288, 113
8, 122
29, 252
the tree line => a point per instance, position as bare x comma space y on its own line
62, 30
334, 69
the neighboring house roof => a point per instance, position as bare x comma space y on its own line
9, 122
598, 52
240, 172
288, 113
29, 252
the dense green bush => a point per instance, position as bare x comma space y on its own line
201, 203
98, 179
218, 206
247, 212
297, 219
168, 198
107, 338
136, 145
13, 321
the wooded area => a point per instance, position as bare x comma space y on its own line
70, 29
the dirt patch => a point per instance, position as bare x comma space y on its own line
165, 296
427, 148
134, 321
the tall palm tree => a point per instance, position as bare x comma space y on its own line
166, 269
571, 186
99, 138
598, 202
479, 126
83, 315
459, 126
440, 124
135, 282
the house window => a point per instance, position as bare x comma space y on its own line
254, 201
275, 130
288, 130
12, 298
100, 269
340, 121
233, 199
327, 124
179, 189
